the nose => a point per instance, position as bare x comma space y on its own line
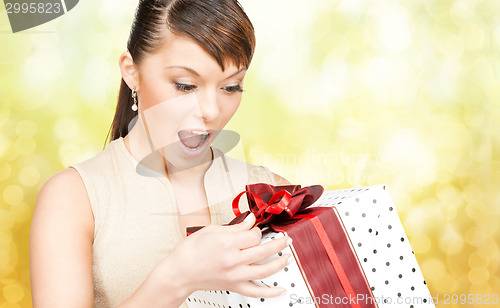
208, 105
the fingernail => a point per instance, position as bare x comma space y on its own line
289, 260
289, 241
284, 291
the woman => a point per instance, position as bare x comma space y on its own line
110, 231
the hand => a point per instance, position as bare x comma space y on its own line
223, 258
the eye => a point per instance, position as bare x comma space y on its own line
233, 89
184, 87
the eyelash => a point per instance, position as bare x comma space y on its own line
184, 87
188, 88
233, 89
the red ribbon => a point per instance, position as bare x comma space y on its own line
275, 203
332, 255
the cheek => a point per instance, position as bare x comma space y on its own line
154, 91
229, 109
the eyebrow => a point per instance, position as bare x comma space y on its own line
192, 71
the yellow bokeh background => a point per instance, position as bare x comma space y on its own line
340, 93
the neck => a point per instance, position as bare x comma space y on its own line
196, 172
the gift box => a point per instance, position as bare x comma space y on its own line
349, 250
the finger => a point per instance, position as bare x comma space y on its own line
250, 289
261, 271
264, 251
248, 238
246, 224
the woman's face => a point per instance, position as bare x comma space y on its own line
185, 99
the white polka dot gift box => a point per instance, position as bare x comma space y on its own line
349, 248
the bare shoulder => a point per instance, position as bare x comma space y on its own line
65, 193
67, 180
61, 239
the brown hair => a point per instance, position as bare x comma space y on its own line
220, 27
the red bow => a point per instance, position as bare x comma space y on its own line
272, 204
275, 203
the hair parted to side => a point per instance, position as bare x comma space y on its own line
220, 27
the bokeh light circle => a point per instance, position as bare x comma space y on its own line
13, 194
29, 176
13, 292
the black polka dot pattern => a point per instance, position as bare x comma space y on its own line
376, 234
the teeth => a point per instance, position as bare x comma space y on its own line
199, 133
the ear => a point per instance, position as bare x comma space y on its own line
130, 73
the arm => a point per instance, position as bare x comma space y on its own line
60, 247
61, 255
229, 267
61, 238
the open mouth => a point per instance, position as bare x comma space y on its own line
193, 139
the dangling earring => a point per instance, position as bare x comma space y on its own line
134, 96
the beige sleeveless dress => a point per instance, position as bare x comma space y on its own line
136, 223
